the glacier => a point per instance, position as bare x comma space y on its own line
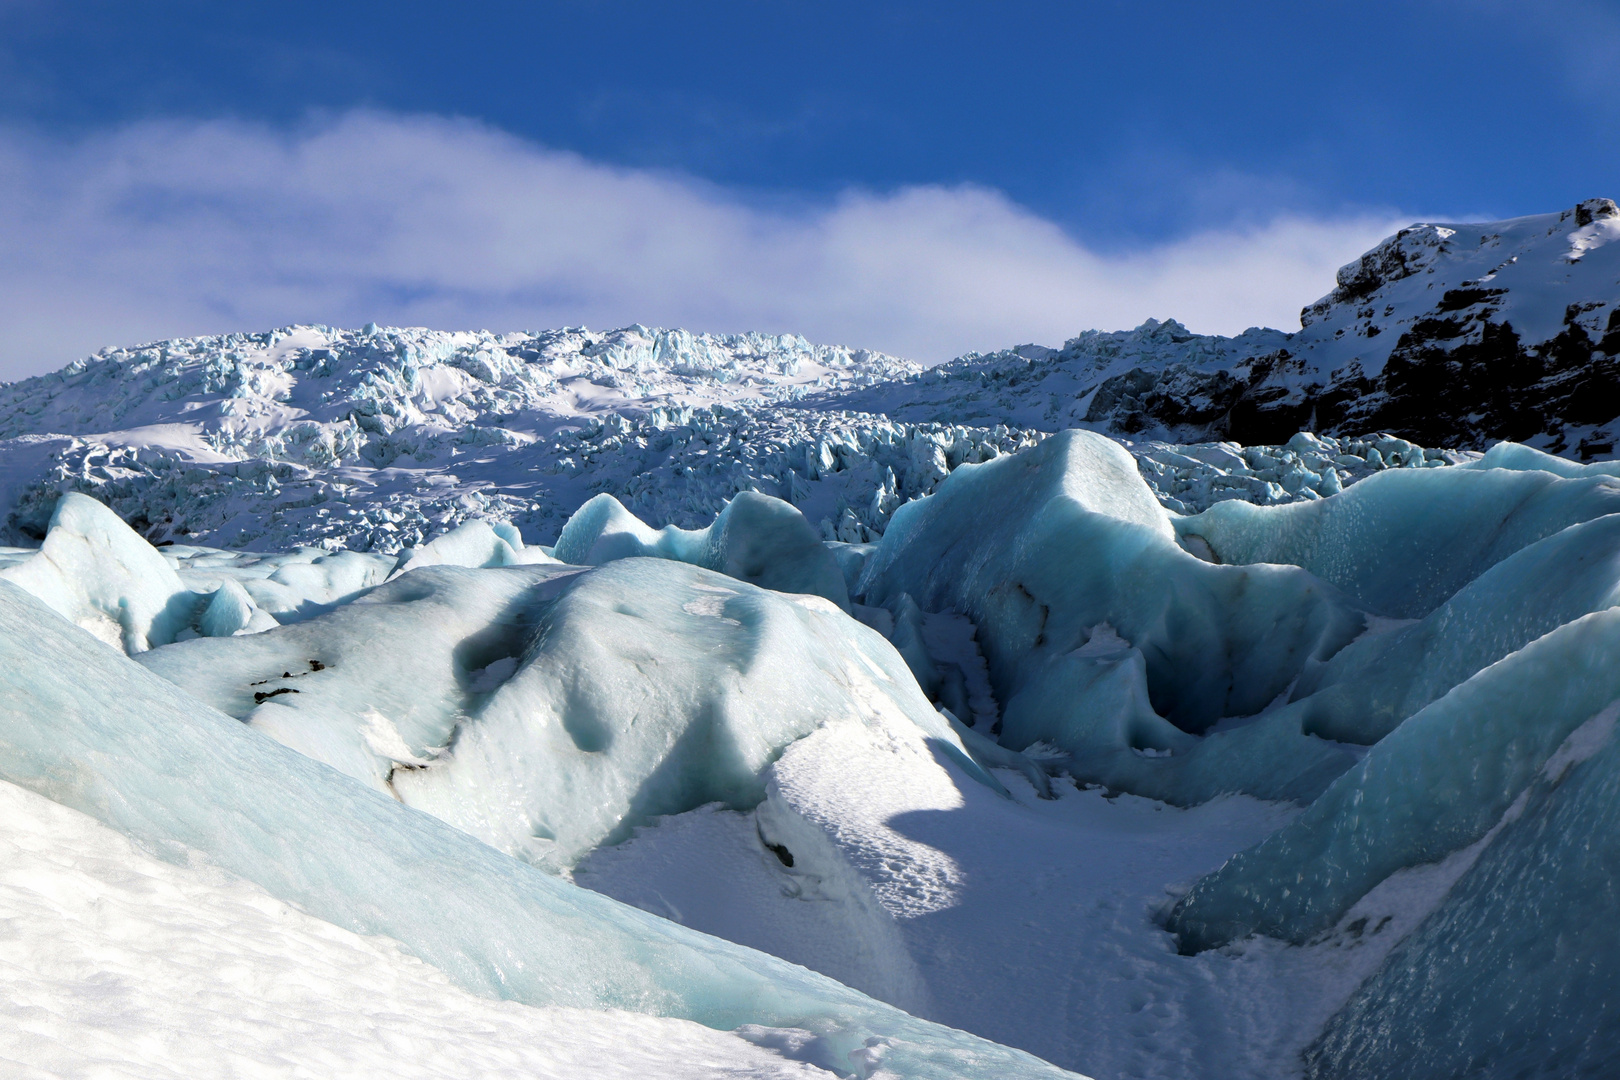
129, 749
591, 718
649, 700
381, 440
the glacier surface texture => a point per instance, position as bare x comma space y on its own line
649, 703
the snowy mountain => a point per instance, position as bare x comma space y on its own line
1452, 335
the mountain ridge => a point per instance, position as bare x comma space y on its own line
1432, 335
1445, 337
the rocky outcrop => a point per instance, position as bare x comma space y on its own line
1447, 335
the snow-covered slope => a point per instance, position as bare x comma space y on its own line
121, 964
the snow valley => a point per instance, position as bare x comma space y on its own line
647, 703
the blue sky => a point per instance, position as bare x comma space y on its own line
984, 173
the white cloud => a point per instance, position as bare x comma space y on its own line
167, 229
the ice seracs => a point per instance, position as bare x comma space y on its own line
374, 439
652, 705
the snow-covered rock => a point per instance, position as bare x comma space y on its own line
1451, 335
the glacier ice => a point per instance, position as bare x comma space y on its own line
1044, 549
1512, 455
632, 604
549, 709
1403, 541
1513, 974
96, 572
755, 538
472, 543
377, 442
1074, 526
230, 611
1379, 680
1437, 783
1026, 921
88, 728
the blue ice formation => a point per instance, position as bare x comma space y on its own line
1513, 975
1490, 715
550, 709
1365, 691
1511, 455
1403, 541
1462, 622
473, 543
1106, 638
1436, 784
88, 728
95, 571
757, 539
1042, 547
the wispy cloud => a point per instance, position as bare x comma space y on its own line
174, 228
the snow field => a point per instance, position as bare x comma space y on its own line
120, 964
